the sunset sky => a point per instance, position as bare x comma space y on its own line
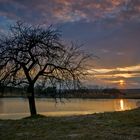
110, 29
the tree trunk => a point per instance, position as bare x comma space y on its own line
31, 100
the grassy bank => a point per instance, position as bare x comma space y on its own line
104, 126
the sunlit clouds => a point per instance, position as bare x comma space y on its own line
119, 77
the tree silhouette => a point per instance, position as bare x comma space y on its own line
31, 54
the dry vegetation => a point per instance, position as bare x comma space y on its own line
103, 126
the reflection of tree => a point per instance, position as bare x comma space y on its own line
138, 104
2, 87
1, 105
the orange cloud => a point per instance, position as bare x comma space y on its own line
114, 75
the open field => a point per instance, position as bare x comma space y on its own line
103, 126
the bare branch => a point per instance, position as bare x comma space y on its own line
30, 54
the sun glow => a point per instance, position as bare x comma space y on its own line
121, 82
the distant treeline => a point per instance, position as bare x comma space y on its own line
52, 92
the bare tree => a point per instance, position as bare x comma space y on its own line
31, 54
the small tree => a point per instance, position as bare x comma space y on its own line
32, 54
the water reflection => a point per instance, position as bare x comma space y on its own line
1, 106
14, 108
138, 104
121, 104
124, 104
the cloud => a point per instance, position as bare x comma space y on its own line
113, 76
130, 70
130, 74
55, 11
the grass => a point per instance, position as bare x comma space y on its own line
104, 126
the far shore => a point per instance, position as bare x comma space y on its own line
83, 94
95, 97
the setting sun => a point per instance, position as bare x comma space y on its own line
121, 82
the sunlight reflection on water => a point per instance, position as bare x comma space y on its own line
15, 108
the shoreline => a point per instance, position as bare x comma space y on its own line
138, 97
102, 126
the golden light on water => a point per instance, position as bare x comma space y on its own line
13, 108
122, 104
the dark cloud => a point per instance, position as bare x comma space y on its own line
70, 10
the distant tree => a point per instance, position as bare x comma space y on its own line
31, 54
112, 92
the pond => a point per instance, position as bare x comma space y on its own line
16, 108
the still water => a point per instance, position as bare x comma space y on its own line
16, 108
